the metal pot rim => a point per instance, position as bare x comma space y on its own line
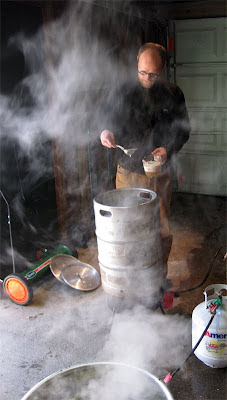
96, 364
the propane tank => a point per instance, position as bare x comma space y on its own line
213, 348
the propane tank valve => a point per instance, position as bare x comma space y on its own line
215, 304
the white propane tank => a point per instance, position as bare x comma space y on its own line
213, 348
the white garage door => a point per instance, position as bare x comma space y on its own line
200, 71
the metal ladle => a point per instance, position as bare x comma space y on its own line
128, 152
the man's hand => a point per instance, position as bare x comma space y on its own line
108, 139
161, 151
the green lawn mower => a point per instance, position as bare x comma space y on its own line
17, 286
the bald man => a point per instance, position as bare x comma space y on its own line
150, 116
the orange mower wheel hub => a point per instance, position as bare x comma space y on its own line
17, 289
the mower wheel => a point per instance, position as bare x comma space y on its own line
18, 289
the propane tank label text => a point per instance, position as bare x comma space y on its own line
216, 335
214, 343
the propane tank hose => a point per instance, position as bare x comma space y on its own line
169, 376
213, 307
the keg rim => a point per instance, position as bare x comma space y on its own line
153, 194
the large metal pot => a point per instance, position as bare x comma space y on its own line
100, 381
129, 243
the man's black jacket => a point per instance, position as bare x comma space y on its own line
149, 118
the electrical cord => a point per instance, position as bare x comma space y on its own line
177, 293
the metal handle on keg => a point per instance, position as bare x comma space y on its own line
147, 194
105, 213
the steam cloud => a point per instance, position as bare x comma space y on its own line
58, 107
68, 62
138, 338
65, 63
144, 339
147, 340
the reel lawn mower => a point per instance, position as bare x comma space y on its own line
17, 286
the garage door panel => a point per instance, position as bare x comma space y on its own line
200, 143
198, 139
224, 88
203, 121
222, 143
200, 40
224, 42
209, 120
206, 173
198, 88
200, 70
223, 123
203, 85
208, 132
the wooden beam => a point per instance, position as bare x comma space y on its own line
181, 10
57, 155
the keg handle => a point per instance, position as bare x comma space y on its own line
105, 213
145, 195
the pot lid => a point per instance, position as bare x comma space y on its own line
78, 275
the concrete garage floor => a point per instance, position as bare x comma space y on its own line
63, 327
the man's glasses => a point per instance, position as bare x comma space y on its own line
150, 75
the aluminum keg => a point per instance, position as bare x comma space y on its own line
129, 243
